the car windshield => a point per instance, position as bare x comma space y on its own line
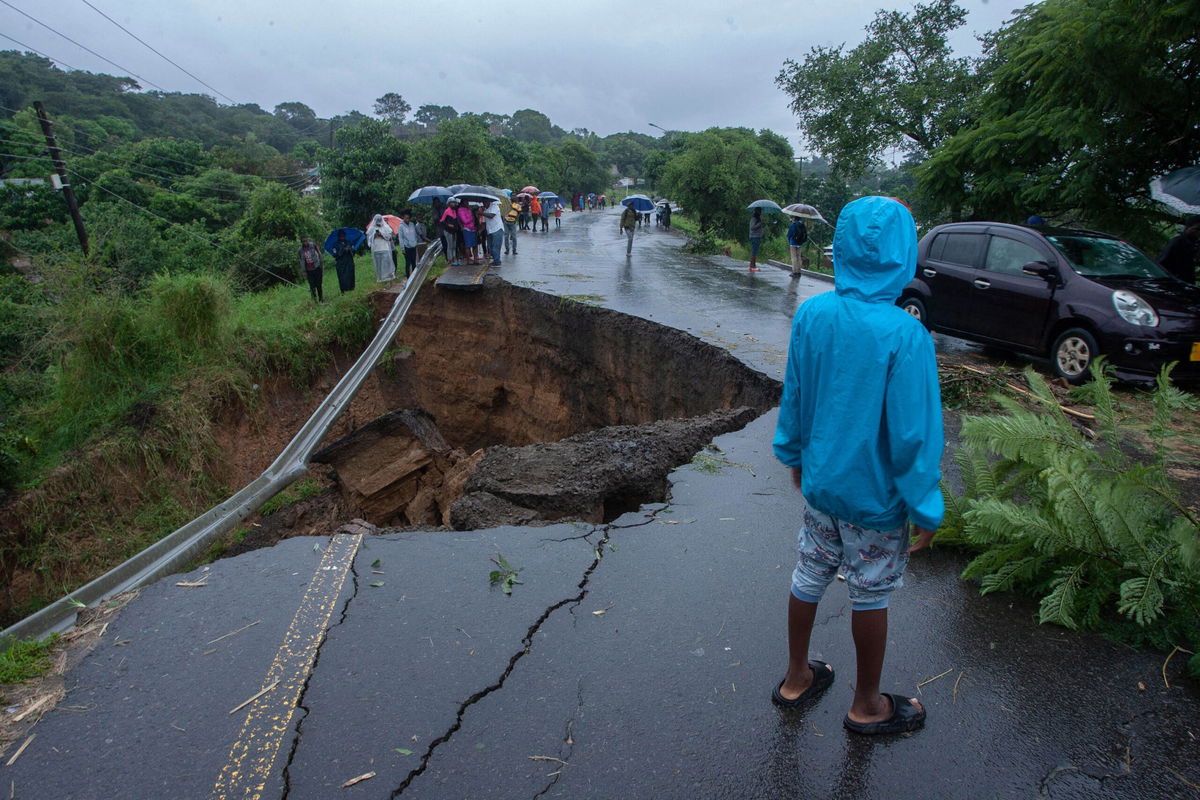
1094, 257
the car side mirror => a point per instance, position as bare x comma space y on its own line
1039, 269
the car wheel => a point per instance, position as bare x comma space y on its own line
915, 308
1072, 355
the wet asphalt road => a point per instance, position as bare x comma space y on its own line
633, 660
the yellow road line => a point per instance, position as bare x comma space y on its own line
246, 772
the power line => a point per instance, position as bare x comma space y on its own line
39, 52
168, 158
83, 47
83, 151
184, 228
160, 55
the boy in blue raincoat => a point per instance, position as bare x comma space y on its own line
860, 425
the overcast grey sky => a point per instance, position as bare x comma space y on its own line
603, 65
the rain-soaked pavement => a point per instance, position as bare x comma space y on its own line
632, 660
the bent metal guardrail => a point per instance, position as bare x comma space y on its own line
174, 551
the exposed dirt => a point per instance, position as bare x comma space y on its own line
522, 368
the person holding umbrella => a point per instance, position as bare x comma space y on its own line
510, 224
450, 227
629, 222
535, 210
380, 239
756, 237
797, 235
343, 260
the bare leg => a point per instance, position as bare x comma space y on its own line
869, 629
801, 616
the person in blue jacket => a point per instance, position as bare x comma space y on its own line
860, 425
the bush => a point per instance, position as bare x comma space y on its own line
260, 264
1099, 536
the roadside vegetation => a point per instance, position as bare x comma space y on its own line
1084, 518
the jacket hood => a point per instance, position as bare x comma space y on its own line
874, 250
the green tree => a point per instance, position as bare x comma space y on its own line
581, 170
458, 152
358, 177
900, 87
528, 125
430, 116
720, 171
1088, 100
392, 107
277, 212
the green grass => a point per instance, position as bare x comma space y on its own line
775, 247
24, 659
293, 494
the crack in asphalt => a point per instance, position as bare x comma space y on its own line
526, 648
287, 777
564, 758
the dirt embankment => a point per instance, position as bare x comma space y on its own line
504, 366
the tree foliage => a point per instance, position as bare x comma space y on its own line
392, 107
1087, 101
358, 177
718, 172
900, 88
1100, 537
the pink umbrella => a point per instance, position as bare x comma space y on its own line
531, 190
393, 222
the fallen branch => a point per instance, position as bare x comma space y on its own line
252, 699
33, 707
1029, 394
366, 776
192, 584
231, 633
1171, 655
934, 678
20, 750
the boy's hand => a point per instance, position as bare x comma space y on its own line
796, 478
923, 537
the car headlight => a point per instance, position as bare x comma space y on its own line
1134, 309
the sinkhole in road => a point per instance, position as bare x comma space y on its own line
512, 406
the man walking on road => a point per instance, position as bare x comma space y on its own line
797, 235
629, 221
860, 425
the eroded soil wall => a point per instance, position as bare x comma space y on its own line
509, 365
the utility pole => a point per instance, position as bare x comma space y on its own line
61, 167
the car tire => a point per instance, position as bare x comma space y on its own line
1072, 355
915, 308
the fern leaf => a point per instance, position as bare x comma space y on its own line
1059, 606
1142, 597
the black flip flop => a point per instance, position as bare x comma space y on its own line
822, 680
905, 717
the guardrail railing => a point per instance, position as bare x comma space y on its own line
177, 549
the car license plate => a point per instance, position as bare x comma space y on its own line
1195, 351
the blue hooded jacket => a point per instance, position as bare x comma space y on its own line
861, 413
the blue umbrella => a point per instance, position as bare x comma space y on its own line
353, 235
426, 194
769, 206
547, 196
639, 203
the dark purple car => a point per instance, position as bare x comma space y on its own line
1069, 295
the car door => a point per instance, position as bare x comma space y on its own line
1008, 306
949, 269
